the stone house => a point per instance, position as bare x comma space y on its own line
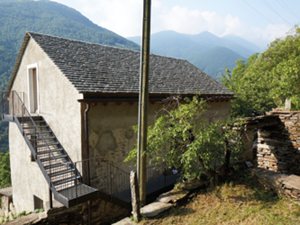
70, 101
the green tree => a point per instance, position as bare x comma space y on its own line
182, 138
267, 79
5, 180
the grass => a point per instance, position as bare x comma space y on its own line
241, 201
4, 219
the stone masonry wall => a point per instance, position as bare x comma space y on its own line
278, 147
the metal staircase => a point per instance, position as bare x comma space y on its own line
62, 176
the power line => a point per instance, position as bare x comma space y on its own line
270, 7
288, 9
263, 15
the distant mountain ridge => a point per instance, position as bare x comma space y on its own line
208, 40
243, 42
204, 47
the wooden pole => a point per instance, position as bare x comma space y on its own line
143, 100
135, 199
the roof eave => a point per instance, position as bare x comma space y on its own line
18, 62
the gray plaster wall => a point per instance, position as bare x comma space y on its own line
59, 107
111, 135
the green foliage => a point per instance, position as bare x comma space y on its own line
5, 180
267, 79
250, 92
182, 138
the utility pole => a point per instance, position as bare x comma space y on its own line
143, 101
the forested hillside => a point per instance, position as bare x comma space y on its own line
213, 61
17, 17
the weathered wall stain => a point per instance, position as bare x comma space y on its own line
107, 142
129, 134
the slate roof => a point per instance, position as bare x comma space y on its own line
94, 68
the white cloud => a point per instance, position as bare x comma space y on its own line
180, 19
125, 18
122, 17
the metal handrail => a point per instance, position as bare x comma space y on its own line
95, 158
37, 129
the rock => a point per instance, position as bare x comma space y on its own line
172, 196
249, 164
155, 208
191, 184
125, 221
271, 178
265, 133
292, 182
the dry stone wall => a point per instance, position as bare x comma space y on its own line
282, 184
278, 147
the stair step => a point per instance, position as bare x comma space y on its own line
62, 172
52, 150
43, 132
35, 127
54, 143
37, 117
51, 158
41, 139
53, 166
30, 121
64, 181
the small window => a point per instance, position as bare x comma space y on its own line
33, 88
38, 203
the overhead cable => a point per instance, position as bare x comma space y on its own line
270, 7
263, 16
288, 9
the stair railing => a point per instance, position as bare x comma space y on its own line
18, 109
104, 176
116, 182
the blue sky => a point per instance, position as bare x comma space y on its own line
259, 21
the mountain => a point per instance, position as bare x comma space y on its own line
171, 43
210, 40
242, 42
214, 60
205, 50
47, 17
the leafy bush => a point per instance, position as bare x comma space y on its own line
182, 138
5, 180
267, 79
